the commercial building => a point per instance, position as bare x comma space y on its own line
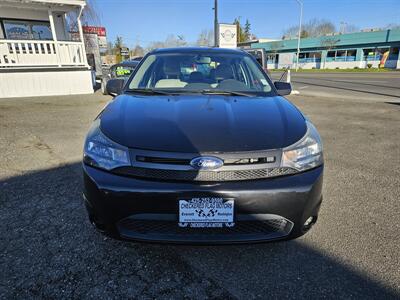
38, 54
374, 48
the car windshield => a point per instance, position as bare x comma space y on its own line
201, 72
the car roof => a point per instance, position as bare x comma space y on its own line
128, 63
197, 49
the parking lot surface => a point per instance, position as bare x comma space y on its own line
358, 87
48, 249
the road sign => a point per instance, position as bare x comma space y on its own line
227, 36
124, 51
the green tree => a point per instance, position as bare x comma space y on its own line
119, 42
117, 48
247, 30
241, 35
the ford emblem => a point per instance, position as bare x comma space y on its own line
206, 163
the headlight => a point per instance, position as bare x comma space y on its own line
102, 152
306, 153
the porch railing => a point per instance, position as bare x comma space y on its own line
33, 53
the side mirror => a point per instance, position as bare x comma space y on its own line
114, 86
283, 88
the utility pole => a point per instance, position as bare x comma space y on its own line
299, 36
216, 34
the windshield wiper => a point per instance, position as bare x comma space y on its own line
150, 91
222, 92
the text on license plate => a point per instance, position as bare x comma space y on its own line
206, 212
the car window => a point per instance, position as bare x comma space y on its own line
121, 71
201, 71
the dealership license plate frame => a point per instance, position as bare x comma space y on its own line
218, 213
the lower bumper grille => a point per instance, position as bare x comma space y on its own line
210, 176
166, 230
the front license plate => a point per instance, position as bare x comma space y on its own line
206, 212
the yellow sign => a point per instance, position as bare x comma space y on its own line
121, 71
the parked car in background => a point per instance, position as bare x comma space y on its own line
139, 58
260, 55
214, 156
122, 70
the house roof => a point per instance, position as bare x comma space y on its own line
31, 3
62, 2
381, 37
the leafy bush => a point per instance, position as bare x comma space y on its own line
356, 68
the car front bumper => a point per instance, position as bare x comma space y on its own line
267, 209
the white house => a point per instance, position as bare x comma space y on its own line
38, 54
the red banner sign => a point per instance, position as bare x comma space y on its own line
100, 31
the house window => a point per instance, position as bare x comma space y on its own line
310, 57
351, 55
369, 54
27, 30
330, 56
394, 54
340, 55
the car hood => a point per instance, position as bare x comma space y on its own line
202, 123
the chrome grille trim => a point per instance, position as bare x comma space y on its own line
160, 160
175, 166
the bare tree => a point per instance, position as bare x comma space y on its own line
175, 41
329, 43
171, 41
290, 32
155, 45
89, 16
90, 13
205, 38
349, 28
137, 51
313, 28
393, 26
322, 27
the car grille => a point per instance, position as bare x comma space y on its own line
210, 176
227, 162
169, 230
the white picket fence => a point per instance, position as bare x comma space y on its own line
32, 53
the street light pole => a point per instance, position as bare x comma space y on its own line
299, 35
216, 23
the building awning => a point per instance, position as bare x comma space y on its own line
43, 4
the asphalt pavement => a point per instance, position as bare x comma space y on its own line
48, 249
358, 86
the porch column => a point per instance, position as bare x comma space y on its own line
324, 54
359, 57
53, 32
81, 35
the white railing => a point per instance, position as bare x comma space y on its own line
33, 53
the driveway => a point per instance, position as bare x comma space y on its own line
49, 249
